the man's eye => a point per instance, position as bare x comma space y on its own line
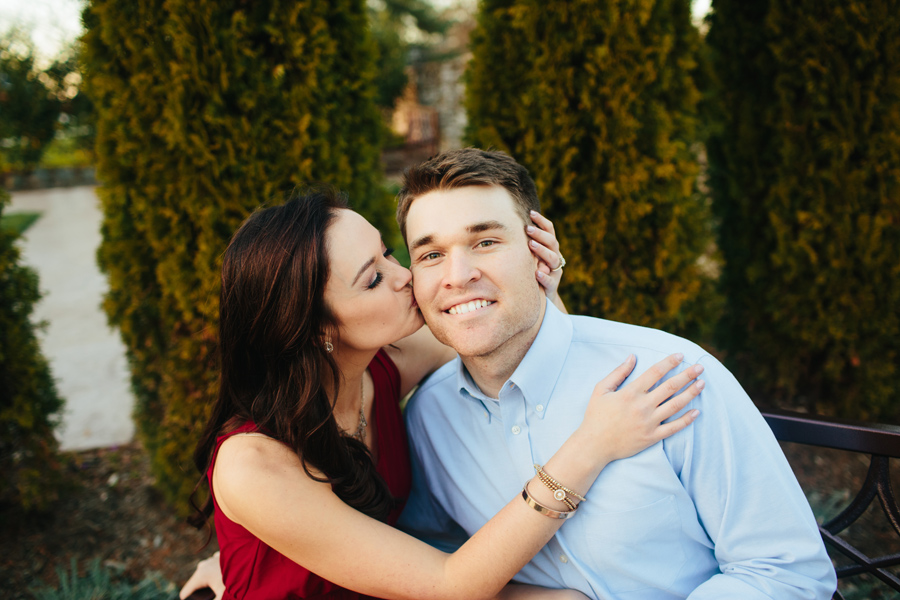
486, 243
431, 256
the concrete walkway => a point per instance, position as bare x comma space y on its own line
87, 358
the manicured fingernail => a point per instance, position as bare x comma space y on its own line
534, 244
698, 369
534, 212
540, 274
700, 384
694, 413
530, 229
679, 357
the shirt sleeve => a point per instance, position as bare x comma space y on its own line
423, 516
766, 539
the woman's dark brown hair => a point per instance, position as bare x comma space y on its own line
275, 372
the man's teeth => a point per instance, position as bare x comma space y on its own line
461, 309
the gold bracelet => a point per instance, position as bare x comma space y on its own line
548, 512
560, 492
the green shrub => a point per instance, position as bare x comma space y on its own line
805, 173
597, 100
30, 471
205, 110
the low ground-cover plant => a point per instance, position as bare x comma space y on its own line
103, 583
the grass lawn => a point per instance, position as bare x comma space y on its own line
18, 222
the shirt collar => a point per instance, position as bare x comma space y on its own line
537, 374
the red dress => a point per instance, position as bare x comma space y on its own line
252, 570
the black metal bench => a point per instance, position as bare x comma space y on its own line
882, 443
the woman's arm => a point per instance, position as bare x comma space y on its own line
260, 484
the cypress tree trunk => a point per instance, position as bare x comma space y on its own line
805, 172
598, 100
207, 109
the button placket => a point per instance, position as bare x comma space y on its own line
512, 406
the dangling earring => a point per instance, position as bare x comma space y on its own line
329, 347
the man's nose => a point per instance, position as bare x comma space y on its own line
460, 269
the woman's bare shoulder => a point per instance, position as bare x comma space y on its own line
248, 464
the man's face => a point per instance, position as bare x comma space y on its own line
473, 274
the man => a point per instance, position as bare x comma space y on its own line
711, 512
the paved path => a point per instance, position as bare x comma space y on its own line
87, 358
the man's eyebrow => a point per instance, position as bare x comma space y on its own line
362, 270
486, 226
422, 241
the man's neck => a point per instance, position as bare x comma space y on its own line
491, 371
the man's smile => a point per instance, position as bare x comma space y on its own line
467, 307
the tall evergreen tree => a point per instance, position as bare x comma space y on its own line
805, 173
205, 110
597, 99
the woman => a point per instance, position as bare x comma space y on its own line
305, 451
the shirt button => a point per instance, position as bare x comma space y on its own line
539, 408
516, 430
485, 414
563, 558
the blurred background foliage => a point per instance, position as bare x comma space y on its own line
44, 117
736, 181
404, 31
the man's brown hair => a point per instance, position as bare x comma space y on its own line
465, 167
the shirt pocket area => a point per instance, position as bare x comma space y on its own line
638, 548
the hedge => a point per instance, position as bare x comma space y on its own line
205, 110
598, 100
805, 173
30, 470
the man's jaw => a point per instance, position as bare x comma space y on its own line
469, 306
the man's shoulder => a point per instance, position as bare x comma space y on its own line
593, 331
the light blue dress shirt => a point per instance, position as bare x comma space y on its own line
712, 512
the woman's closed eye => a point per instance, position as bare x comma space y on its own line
378, 276
376, 280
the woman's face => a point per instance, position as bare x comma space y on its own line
368, 291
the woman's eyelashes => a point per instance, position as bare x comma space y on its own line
378, 276
378, 279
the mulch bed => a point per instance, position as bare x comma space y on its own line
113, 514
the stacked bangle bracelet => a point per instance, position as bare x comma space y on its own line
560, 492
549, 512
